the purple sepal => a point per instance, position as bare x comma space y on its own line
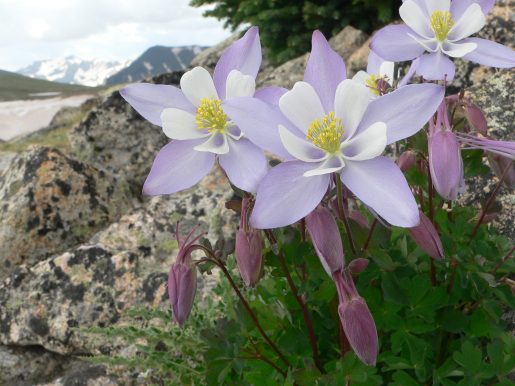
426, 237
326, 239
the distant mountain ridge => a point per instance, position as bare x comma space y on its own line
155, 61
14, 86
74, 70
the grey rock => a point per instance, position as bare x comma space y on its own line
495, 96
89, 286
5, 159
51, 202
115, 137
25, 366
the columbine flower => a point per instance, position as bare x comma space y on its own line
442, 29
182, 279
334, 125
378, 77
200, 128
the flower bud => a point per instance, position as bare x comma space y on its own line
326, 239
475, 117
182, 286
360, 329
445, 164
426, 237
249, 246
357, 266
406, 160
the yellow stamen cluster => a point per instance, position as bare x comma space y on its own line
326, 133
210, 115
441, 24
371, 83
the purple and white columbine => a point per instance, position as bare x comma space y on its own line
442, 29
334, 125
194, 118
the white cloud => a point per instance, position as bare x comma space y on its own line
112, 29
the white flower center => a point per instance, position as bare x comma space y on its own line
441, 24
211, 116
326, 133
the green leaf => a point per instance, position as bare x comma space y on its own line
469, 357
392, 290
402, 378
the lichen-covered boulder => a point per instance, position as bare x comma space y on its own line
115, 137
51, 202
150, 228
495, 96
345, 43
88, 286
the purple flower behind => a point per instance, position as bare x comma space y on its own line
437, 30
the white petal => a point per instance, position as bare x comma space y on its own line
438, 5
301, 105
361, 77
239, 85
300, 148
415, 18
387, 69
180, 124
197, 84
332, 164
217, 144
430, 45
369, 144
350, 103
458, 50
469, 23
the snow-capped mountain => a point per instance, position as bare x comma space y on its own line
74, 70
154, 61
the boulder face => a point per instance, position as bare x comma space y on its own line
495, 96
115, 137
88, 286
51, 202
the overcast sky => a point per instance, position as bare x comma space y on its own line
32, 30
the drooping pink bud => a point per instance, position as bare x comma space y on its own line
182, 279
360, 329
406, 160
182, 286
326, 239
249, 258
357, 321
249, 247
475, 117
357, 266
426, 237
446, 164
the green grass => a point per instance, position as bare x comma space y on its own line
15, 87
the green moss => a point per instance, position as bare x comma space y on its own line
168, 246
14, 187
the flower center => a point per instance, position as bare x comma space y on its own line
441, 24
326, 133
377, 83
210, 116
